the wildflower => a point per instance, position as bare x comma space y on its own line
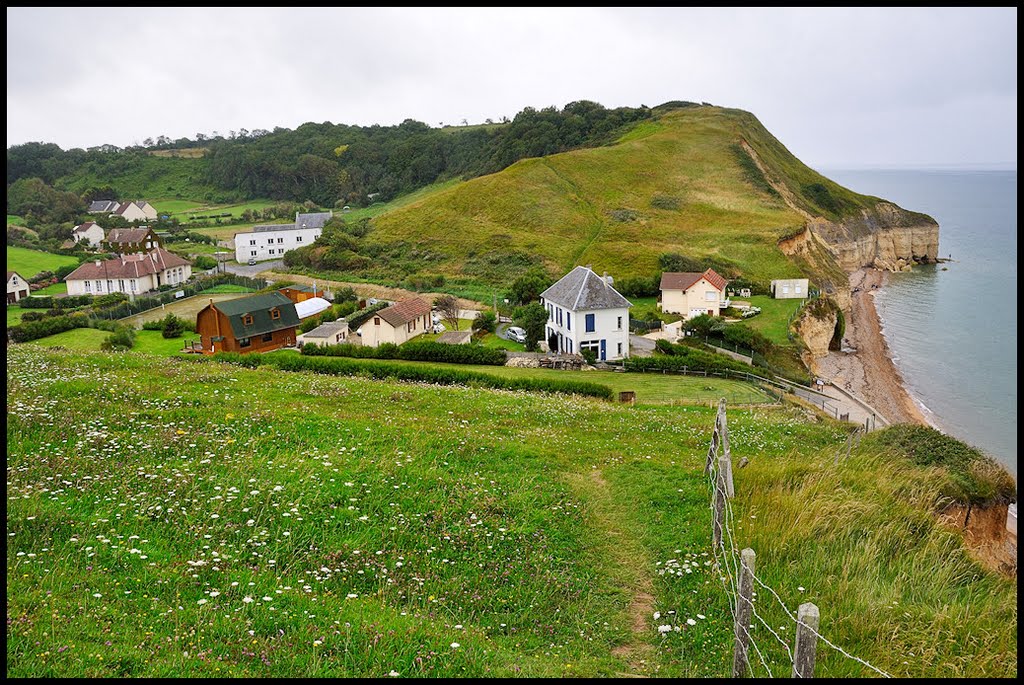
247, 599
657, 615
664, 629
690, 622
455, 645
393, 674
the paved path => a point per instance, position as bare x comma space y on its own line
639, 346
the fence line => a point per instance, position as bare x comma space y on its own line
729, 565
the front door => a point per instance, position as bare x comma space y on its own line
603, 351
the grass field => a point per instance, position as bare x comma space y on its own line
592, 207
773, 321
14, 315
30, 262
90, 339
179, 517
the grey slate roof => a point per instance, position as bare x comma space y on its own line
259, 307
313, 220
102, 206
327, 330
582, 289
270, 228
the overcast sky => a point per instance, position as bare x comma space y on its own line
865, 87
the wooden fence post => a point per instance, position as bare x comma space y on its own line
807, 619
744, 609
725, 469
716, 529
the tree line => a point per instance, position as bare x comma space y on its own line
336, 164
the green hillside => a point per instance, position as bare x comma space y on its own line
186, 518
682, 183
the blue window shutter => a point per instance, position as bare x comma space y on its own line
590, 323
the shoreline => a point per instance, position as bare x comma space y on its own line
865, 367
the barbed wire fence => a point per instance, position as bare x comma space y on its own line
736, 571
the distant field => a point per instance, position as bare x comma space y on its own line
30, 262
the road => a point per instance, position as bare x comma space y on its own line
640, 346
250, 271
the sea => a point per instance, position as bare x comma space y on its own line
952, 327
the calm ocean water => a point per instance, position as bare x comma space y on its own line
952, 328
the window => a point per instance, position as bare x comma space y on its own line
269, 337
590, 323
796, 289
88, 286
711, 296
559, 311
619, 320
620, 349
252, 242
270, 241
99, 286
275, 313
14, 278
551, 313
120, 284
376, 321
244, 342
252, 253
280, 240
246, 319
592, 345
785, 290
110, 285
133, 283
568, 321
298, 238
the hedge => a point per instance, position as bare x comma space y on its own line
689, 359
414, 372
51, 325
419, 351
357, 319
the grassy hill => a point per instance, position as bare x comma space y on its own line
181, 517
682, 183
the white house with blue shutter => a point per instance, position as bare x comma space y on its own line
586, 313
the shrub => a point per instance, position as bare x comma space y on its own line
357, 319
416, 350
51, 325
589, 355
974, 478
121, 339
665, 347
485, 321
660, 201
204, 262
624, 215
173, 327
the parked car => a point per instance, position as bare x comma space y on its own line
252, 261
439, 328
517, 334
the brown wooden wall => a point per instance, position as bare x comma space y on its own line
206, 327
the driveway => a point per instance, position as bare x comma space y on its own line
640, 346
250, 271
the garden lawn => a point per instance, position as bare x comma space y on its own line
28, 263
186, 518
150, 342
773, 321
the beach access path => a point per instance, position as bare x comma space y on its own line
865, 368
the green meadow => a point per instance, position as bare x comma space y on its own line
179, 517
30, 262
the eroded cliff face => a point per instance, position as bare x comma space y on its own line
884, 237
816, 325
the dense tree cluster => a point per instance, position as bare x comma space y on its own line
335, 164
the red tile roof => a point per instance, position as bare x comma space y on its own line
128, 266
405, 311
683, 280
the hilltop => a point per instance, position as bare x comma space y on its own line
190, 518
706, 182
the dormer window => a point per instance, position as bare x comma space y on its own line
246, 319
275, 313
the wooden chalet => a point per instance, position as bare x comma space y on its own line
257, 323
